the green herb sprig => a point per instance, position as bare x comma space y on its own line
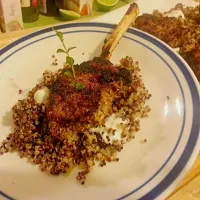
69, 61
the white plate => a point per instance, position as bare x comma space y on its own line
145, 171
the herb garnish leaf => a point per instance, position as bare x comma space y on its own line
80, 86
60, 51
70, 48
68, 73
59, 34
69, 61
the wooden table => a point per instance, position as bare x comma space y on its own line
189, 189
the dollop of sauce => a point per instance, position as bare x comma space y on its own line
175, 13
41, 96
113, 123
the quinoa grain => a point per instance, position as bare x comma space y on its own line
81, 146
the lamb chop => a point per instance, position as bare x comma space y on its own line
67, 104
69, 107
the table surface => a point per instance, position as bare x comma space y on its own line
189, 188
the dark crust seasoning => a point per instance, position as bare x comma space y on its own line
105, 69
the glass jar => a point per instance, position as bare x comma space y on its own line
30, 12
48, 7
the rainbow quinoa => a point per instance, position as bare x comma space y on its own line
64, 122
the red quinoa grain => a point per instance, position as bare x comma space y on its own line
83, 148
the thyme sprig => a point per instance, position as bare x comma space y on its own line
69, 61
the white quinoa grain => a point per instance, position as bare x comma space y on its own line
31, 139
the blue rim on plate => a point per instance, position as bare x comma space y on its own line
194, 133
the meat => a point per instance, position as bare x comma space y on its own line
68, 106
